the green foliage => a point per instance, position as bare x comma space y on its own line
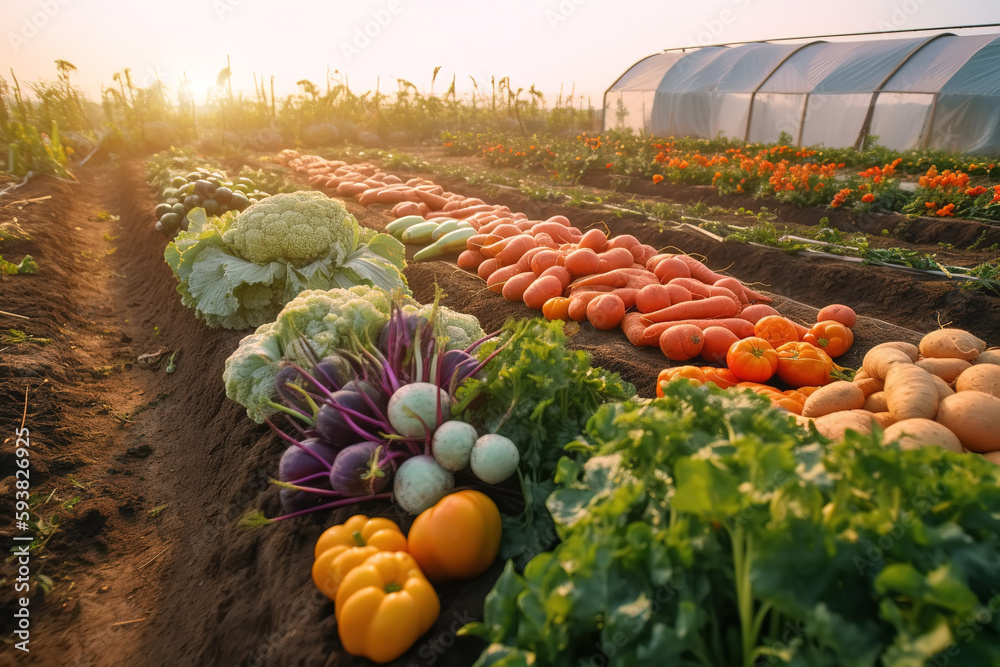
707, 528
540, 395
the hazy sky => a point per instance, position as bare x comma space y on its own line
551, 43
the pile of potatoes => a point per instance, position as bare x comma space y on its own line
944, 392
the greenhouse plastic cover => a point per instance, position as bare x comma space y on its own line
941, 91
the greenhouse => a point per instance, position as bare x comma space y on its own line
937, 91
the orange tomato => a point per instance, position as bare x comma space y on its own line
692, 373
752, 359
831, 336
556, 308
803, 365
776, 330
720, 377
458, 538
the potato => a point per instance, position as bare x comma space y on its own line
876, 402
974, 417
951, 344
869, 385
984, 378
915, 433
835, 424
834, 397
992, 457
883, 419
881, 358
910, 392
991, 356
942, 387
946, 369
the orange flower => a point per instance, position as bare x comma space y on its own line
657, 178
930, 204
608, 165
868, 198
947, 210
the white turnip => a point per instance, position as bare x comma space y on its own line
420, 482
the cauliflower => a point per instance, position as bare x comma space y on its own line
328, 320
295, 226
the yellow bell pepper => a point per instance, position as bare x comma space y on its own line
342, 547
384, 605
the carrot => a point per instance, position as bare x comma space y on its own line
606, 311
595, 239
546, 241
505, 230
633, 328
524, 263
578, 306
741, 328
516, 286
350, 189
542, 289
493, 224
704, 309
434, 202
696, 287
544, 260
678, 293
670, 268
404, 208
476, 242
718, 340
627, 295
628, 242
560, 219
652, 297
647, 252
582, 262
616, 278
515, 248
656, 259
734, 286
559, 233
487, 267
559, 272
470, 260
498, 278
616, 258
682, 342
699, 271
715, 290
525, 225
756, 312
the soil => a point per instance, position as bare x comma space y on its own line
150, 472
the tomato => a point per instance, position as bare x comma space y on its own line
803, 364
556, 308
776, 330
458, 538
839, 313
752, 359
831, 336
692, 373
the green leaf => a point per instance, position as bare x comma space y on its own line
705, 489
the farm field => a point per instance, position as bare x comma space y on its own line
150, 472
